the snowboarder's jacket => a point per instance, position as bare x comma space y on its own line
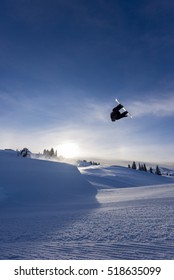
116, 115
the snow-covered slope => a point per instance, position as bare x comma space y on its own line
121, 177
132, 218
25, 182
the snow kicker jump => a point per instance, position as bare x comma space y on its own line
117, 114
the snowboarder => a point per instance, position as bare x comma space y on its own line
116, 114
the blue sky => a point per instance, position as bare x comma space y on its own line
64, 62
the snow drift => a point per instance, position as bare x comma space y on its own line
26, 181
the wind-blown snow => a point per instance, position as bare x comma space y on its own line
100, 213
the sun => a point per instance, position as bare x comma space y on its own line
68, 150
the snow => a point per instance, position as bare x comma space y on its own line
53, 210
121, 177
29, 182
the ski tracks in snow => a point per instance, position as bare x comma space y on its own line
132, 229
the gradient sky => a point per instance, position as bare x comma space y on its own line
62, 64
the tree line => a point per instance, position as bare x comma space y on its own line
142, 167
50, 153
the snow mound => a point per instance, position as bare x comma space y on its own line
121, 177
26, 181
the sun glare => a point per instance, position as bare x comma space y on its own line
68, 150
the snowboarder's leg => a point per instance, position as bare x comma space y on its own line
116, 109
124, 114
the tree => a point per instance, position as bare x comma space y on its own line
144, 167
151, 170
25, 152
134, 165
157, 171
51, 152
140, 167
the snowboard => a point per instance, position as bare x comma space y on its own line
124, 108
